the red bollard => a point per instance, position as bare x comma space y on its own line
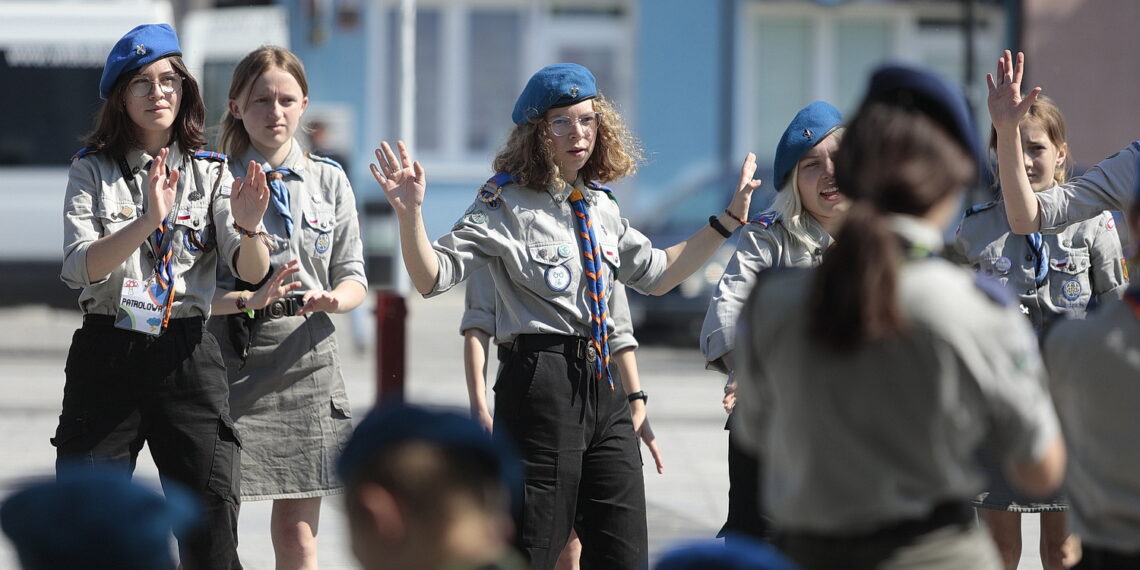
391, 319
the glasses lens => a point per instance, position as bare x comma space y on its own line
562, 126
142, 87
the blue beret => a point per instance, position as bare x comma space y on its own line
810, 126
389, 426
555, 85
932, 94
142, 45
95, 518
738, 553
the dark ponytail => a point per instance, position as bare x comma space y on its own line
893, 160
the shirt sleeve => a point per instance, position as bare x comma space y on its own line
1107, 186
347, 259
1106, 258
480, 234
221, 186
756, 250
480, 302
642, 265
622, 336
81, 225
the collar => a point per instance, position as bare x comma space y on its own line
295, 160
138, 159
560, 195
918, 233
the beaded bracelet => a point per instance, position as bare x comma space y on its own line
240, 302
742, 221
265, 238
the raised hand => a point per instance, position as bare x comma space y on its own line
249, 198
742, 199
402, 180
162, 187
275, 288
1007, 106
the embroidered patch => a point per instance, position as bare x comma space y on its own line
477, 217
557, 277
324, 240
1071, 290
1003, 264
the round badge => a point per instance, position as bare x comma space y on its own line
1071, 289
190, 241
1003, 264
477, 217
564, 251
557, 277
324, 240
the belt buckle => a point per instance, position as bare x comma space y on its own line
591, 353
276, 309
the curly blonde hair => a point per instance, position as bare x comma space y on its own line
528, 156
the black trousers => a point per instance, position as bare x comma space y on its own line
582, 459
125, 388
1099, 558
745, 517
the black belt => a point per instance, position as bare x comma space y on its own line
946, 514
109, 320
572, 346
283, 307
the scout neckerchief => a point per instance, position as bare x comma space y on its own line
1040, 251
279, 195
592, 269
162, 246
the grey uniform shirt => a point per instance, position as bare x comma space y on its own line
326, 231
1094, 368
99, 202
1084, 261
482, 306
760, 245
1107, 186
859, 440
534, 236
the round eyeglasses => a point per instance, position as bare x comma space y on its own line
143, 86
564, 125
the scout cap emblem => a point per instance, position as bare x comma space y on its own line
140, 50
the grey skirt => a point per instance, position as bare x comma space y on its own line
289, 405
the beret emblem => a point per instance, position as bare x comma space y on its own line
140, 49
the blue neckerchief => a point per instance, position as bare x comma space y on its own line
1040, 251
279, 195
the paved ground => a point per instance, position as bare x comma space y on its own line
687, 502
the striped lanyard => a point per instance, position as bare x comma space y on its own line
164, 269
592, 269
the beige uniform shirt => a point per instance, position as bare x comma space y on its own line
1085, 261
761, 245
534, 236
1107, 186
482, 306
326, 231
99, 202
1094, 368
858, 440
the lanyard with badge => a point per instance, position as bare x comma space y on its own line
145, 305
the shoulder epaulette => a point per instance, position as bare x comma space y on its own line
84, 152
210, 155
491, 192
980, 208
595, 185
765, 219
993, 289
326, 160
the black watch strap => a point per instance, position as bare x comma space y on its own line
639, 395
720, 229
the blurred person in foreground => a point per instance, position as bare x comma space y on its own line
96, 519
429, 489
871, 381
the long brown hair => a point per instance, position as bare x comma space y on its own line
114, 132
1046, 111
529, 157
234, 140
892, 160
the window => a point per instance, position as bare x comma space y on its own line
49, 102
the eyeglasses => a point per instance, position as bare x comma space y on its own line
143, 86
564, 125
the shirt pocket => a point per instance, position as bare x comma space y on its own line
114, 214
550, 272
1069, 278
612, 264
318, 223
191, 230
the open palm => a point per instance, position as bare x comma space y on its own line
402, 180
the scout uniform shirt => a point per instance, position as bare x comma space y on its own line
534, 235
326, 231
1085, 261
482, 306
1107, 186
99, 202
862, 439
763, 244
1093, 367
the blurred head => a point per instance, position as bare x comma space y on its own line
426, 489
268, 95
96, 519
564, 129
1044, 145
739, 553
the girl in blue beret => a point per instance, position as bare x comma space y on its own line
147, 215
554, 239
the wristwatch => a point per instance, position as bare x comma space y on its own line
639, 395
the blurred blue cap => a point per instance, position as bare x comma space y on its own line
556, 85
390, 426
96, 518
739, 553
930, 93
142, 45
810, 126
